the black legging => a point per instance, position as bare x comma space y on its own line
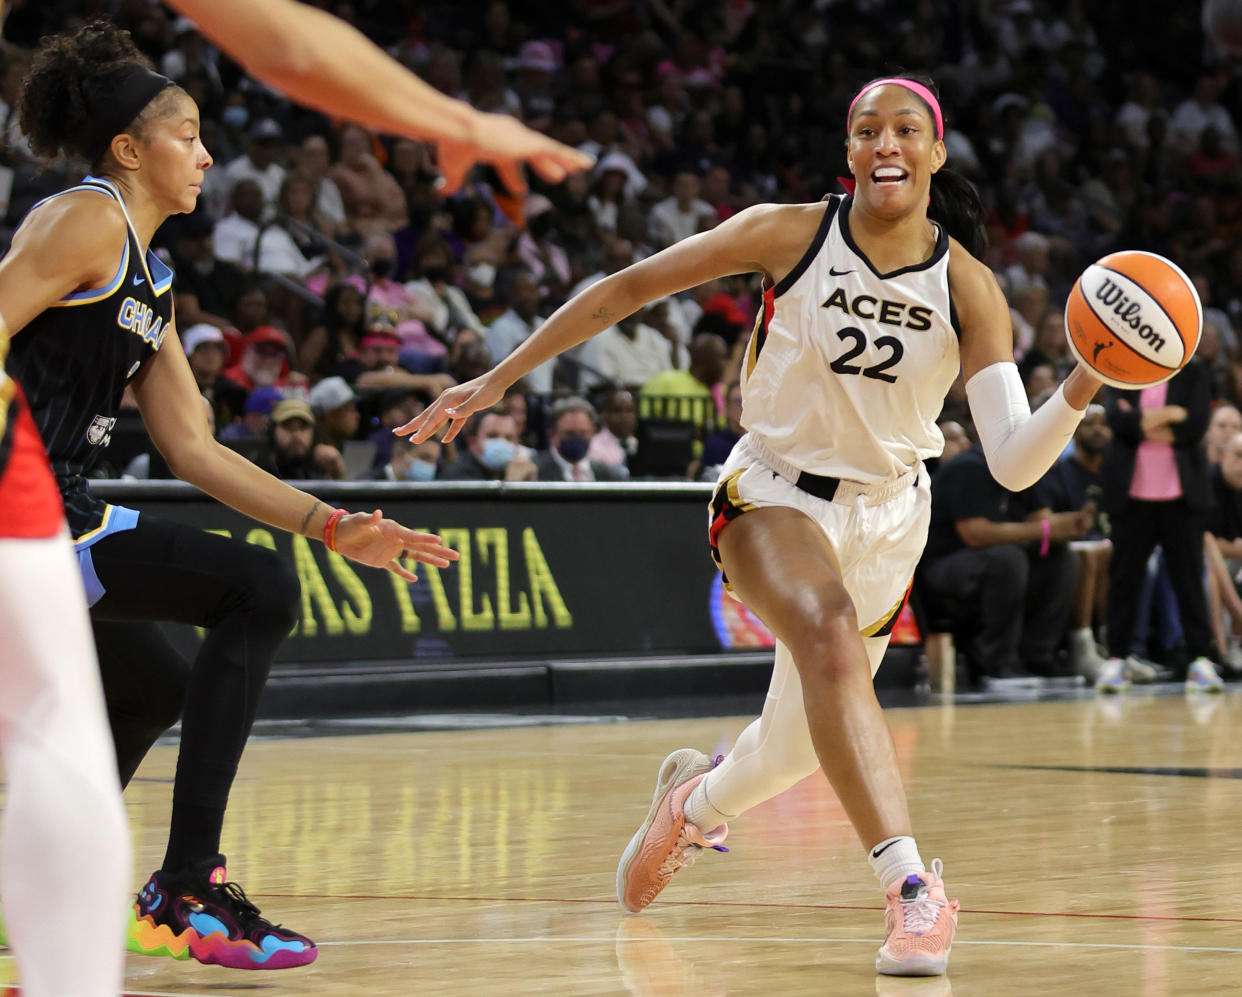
247, 598
1135, 533
1019, 604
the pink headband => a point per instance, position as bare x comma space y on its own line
915, 88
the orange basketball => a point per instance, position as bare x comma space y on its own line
1134, 318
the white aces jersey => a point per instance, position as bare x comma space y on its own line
847, 368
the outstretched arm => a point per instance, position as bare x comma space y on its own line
321, 61
1019, 446
767, 239
173, 413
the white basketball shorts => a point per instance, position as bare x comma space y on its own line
877, 531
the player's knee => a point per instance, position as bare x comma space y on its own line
827, 634
272, 589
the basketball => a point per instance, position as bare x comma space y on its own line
1134, 318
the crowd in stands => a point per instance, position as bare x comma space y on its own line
325, 292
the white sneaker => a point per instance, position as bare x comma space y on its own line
1112, 677
1139, 671
1083, 655
1201, 677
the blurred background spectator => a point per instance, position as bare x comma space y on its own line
572, 423
1157, 490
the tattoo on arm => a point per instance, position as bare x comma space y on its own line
602, 314
306, 520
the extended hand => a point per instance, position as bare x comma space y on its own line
458, 404
369, 538
505, 144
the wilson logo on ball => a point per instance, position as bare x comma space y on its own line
1134, 318
1121, 305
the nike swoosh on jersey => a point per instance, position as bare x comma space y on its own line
834, 272
137, 279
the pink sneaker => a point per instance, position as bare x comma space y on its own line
665, 841
919, 921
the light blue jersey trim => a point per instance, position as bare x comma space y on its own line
152, 265
93, 293
158, 272
96, 293
117, 519
161, 273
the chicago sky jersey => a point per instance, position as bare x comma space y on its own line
74, 359
847, 368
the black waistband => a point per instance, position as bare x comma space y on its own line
822, 486
818, 485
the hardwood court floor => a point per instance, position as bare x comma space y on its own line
1094, 846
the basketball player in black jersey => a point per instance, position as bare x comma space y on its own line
91, 310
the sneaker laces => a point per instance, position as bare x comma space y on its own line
920, 911
920, 914
242, 906
685, 852
687, 849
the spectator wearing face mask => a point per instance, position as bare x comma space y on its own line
412, 461
572, 424
492, 451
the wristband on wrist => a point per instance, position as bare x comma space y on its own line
329, 528
1045, 532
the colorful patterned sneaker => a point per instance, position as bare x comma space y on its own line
1201, 677
199, 915
1112, 677
666, 841
920, 922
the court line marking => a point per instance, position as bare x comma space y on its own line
173, 993
410, 898
694, 939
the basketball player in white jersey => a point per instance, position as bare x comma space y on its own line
871, 305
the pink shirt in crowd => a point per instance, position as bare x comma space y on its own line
1155, 466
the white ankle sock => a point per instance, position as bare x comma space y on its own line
895, 858
700, 812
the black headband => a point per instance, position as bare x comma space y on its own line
115, 107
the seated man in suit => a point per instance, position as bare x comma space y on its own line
571, 424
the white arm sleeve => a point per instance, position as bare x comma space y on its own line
1020, 446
